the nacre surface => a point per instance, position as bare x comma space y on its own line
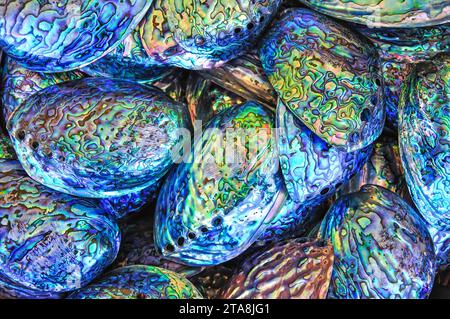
295, 269
97, 137
382, 248
49, 241
139, 282
214, 205
327, 75
54, 36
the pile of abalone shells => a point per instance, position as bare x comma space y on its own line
225, 149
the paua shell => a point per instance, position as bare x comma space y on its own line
13, 290
205, 99
204, 34
214, 205
6, 147
327, 75
312, 169
294, 269
441, 240
424, 139
54, 36
385, 13
20, 83
245, 77
409, 45
139, 282
128, 61
138, 247
382, 247
174, 85
97, 137
49, 241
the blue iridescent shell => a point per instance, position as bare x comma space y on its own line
204, 34
55, 36
328, 76
382, 248
12, 290
128, 61
20, 83
441, 240
6, 147
139, 282
49, 241
386, 13
312, 169
97, 137
424, 139
214, 205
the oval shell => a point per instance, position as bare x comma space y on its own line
97, 137
385, 13
294, 269
327, 75
55, 36
424, 139
214, 205
139, 282
382, 248
49, 241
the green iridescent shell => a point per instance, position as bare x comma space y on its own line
139, 282
328, 76
386, 13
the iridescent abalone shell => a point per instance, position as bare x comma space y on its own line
424, 139
198, 34
245, 77
97, 137
212, 280
173, 84
13, 290
294, 269
382, 247
327, 75
214, 205
312, 169
386, 13
441, 240
409, 45
6, 147
49, 241
128, 61
139, 282
54, 36
20, 83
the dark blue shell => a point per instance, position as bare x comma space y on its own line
51, 242
312, 169
97, 137
54, 36
382, 247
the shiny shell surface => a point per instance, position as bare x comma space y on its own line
312, 169
294, 269
204, 34
327, 75
139, 282
97, 137
382, 247
6, 147
385, 13
215, 205
49, 241
55, 36
424, 139
20, 83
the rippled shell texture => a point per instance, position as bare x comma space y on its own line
386, 13
215, 205
294, 269
312, 169
382, 247
49, 241
6, 147
327, 75
196, 34
97, 137
54, 36
20, 83
139, 282
424, 139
